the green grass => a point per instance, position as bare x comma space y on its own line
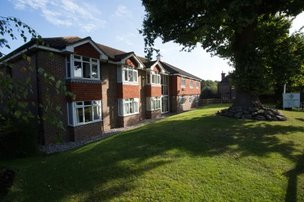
193, 156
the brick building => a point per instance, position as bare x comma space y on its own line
112, 88
225, 89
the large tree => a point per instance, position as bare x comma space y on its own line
227, 28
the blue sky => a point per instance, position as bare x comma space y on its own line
110, 22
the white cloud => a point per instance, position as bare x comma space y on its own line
67, 13
123, 11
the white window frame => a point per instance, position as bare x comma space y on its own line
70, 62
154, 103
130, 102
131, 73
72, 121
191, 84
156, 77
183, 82
197, 84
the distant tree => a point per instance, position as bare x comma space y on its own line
228, 28
281, 55
209, 89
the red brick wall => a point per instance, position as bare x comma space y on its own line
187, 90
86, 50
130, 63
173, 85
109, 94
153, 114
127, 91
85, 131
54, 64
85, 91
153, 91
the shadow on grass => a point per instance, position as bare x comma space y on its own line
291, 193
107, 169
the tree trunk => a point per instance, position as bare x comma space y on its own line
246, 67
246, 100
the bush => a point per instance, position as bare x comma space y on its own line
17, 139
7, 177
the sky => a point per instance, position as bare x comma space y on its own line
114, 23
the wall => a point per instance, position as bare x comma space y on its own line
54, 64
109, 95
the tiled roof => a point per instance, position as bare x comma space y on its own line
61, 42
175, 70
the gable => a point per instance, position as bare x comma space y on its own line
87, 50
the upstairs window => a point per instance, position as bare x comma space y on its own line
83, 67
183, 83
197, 84
129, 75
191, 84
155, 78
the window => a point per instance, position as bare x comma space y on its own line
181, 99
155, 78
83, 112
164, 87
82, 67
191, 84
128, 106
130, 75
165, 104
153, 103
197, 84
183, 82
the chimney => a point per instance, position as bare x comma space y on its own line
223, 75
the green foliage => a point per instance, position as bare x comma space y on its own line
21, 112
193, 156
15, 142
209, 89
12, 28
231, 29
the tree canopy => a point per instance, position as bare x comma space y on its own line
230, 29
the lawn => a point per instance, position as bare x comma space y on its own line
193, 156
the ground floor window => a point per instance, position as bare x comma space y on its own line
84, 112
128, 106
153, 103
165, 104
181, 99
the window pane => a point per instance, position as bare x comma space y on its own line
135, 75
136, 107
86, 59
96, 111
88, 114
94, 71
87, 102
127, 108
79, 103
86, 70
131, 77
77, 69
77, 57
79, 115
126, 75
